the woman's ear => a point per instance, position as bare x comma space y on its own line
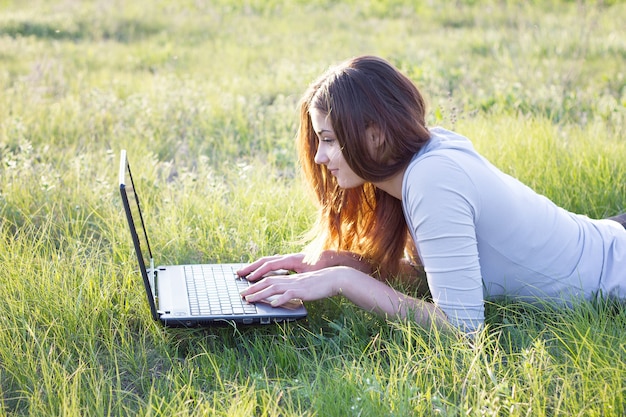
377, 144
375, 138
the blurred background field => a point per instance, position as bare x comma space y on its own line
203, 95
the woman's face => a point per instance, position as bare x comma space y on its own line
329, 152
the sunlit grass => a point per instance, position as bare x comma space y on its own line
203, 96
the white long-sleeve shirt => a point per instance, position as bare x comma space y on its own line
482, 234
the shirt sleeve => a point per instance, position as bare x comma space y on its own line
441, 205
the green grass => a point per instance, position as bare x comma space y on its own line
203, 96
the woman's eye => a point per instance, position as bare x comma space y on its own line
328, 140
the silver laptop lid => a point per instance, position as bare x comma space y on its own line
138, 232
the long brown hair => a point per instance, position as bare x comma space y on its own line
358, 94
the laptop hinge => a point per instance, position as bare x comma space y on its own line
154, 279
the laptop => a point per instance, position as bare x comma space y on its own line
194, 294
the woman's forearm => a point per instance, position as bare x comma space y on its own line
345, 258
373, 295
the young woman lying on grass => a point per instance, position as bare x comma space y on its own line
387, 185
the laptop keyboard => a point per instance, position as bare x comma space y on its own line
214, 290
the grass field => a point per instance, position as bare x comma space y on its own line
203, 96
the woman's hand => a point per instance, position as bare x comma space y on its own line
295, 262
278, 264
306, 286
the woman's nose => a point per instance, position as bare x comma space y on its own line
320, 156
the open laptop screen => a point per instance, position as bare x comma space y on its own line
137, 229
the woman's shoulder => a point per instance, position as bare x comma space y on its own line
444, 150
448, 161
443, 139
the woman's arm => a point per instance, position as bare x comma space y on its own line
362, 289
373, 295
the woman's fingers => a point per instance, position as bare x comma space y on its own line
247, 270
280, 264
307, 286
260, 290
